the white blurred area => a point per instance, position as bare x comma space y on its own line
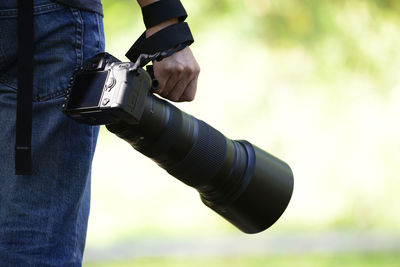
341, 136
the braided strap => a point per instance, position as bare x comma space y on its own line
165, 39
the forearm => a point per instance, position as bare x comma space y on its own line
143, 3
162, 25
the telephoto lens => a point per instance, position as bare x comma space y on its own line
244, 184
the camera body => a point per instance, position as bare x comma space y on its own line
106, 91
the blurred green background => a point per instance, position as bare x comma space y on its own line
314, 82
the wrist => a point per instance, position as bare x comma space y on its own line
143, 3
152, 30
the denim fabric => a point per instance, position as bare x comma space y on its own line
90, 5
43, 217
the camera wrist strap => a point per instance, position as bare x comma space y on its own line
23, 156
161, 11
144, 59
165, 39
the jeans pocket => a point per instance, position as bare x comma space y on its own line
61, 46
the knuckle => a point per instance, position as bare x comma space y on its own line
169, 68
179, 69
191, 70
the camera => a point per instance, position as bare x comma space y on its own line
244, 184
101, 92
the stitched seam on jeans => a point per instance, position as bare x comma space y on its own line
50, 96
35, 98
9, 13
8, 83
99, 34
79, 28
81, 38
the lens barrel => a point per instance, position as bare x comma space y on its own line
244, 184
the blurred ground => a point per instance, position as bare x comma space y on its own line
302, 260
334, 243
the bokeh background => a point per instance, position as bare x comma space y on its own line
314, 82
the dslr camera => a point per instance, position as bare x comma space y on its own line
244, 184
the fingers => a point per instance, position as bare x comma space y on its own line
177, 81
190, 92
177, 76
175, 88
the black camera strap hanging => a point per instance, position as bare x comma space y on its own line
23, 153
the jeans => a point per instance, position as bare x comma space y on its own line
43, 217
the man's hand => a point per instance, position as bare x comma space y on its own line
177, 76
